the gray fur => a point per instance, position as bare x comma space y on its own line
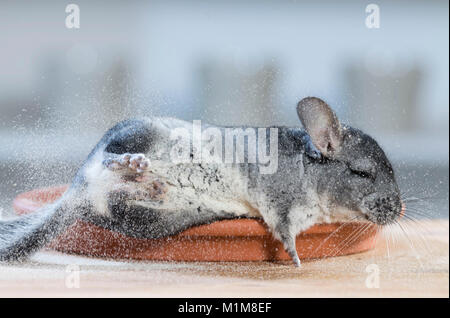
128, 184
25, 235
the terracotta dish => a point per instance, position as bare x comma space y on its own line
230, 240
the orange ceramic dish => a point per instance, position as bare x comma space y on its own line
229, 240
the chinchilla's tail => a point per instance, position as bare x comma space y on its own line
22, 236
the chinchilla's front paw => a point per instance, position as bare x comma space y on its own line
289, 242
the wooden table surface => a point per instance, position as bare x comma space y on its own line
412, 265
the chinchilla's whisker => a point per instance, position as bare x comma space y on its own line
391, 229
386, 241
394, 238
422, 208
422, 238
419, 226
419, 218
423, 196
404, 192
412, 199
418, 215
364, 230
411, 245
352, 239
332, 253
375, 238
334, 232
417, 212
417, 204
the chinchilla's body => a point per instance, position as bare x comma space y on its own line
134, 182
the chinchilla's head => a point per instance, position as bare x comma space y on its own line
355, 174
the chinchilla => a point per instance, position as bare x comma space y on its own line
146, 179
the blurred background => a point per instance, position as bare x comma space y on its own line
224, 62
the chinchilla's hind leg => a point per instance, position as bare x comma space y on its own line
134, 163
137, 219
127, 145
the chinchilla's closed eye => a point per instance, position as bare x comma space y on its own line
364, 168
363, 174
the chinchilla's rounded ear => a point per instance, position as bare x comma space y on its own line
321, 124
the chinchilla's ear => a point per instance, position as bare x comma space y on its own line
321, 124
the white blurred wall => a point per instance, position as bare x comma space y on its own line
163, 41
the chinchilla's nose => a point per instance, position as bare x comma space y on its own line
383, 209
